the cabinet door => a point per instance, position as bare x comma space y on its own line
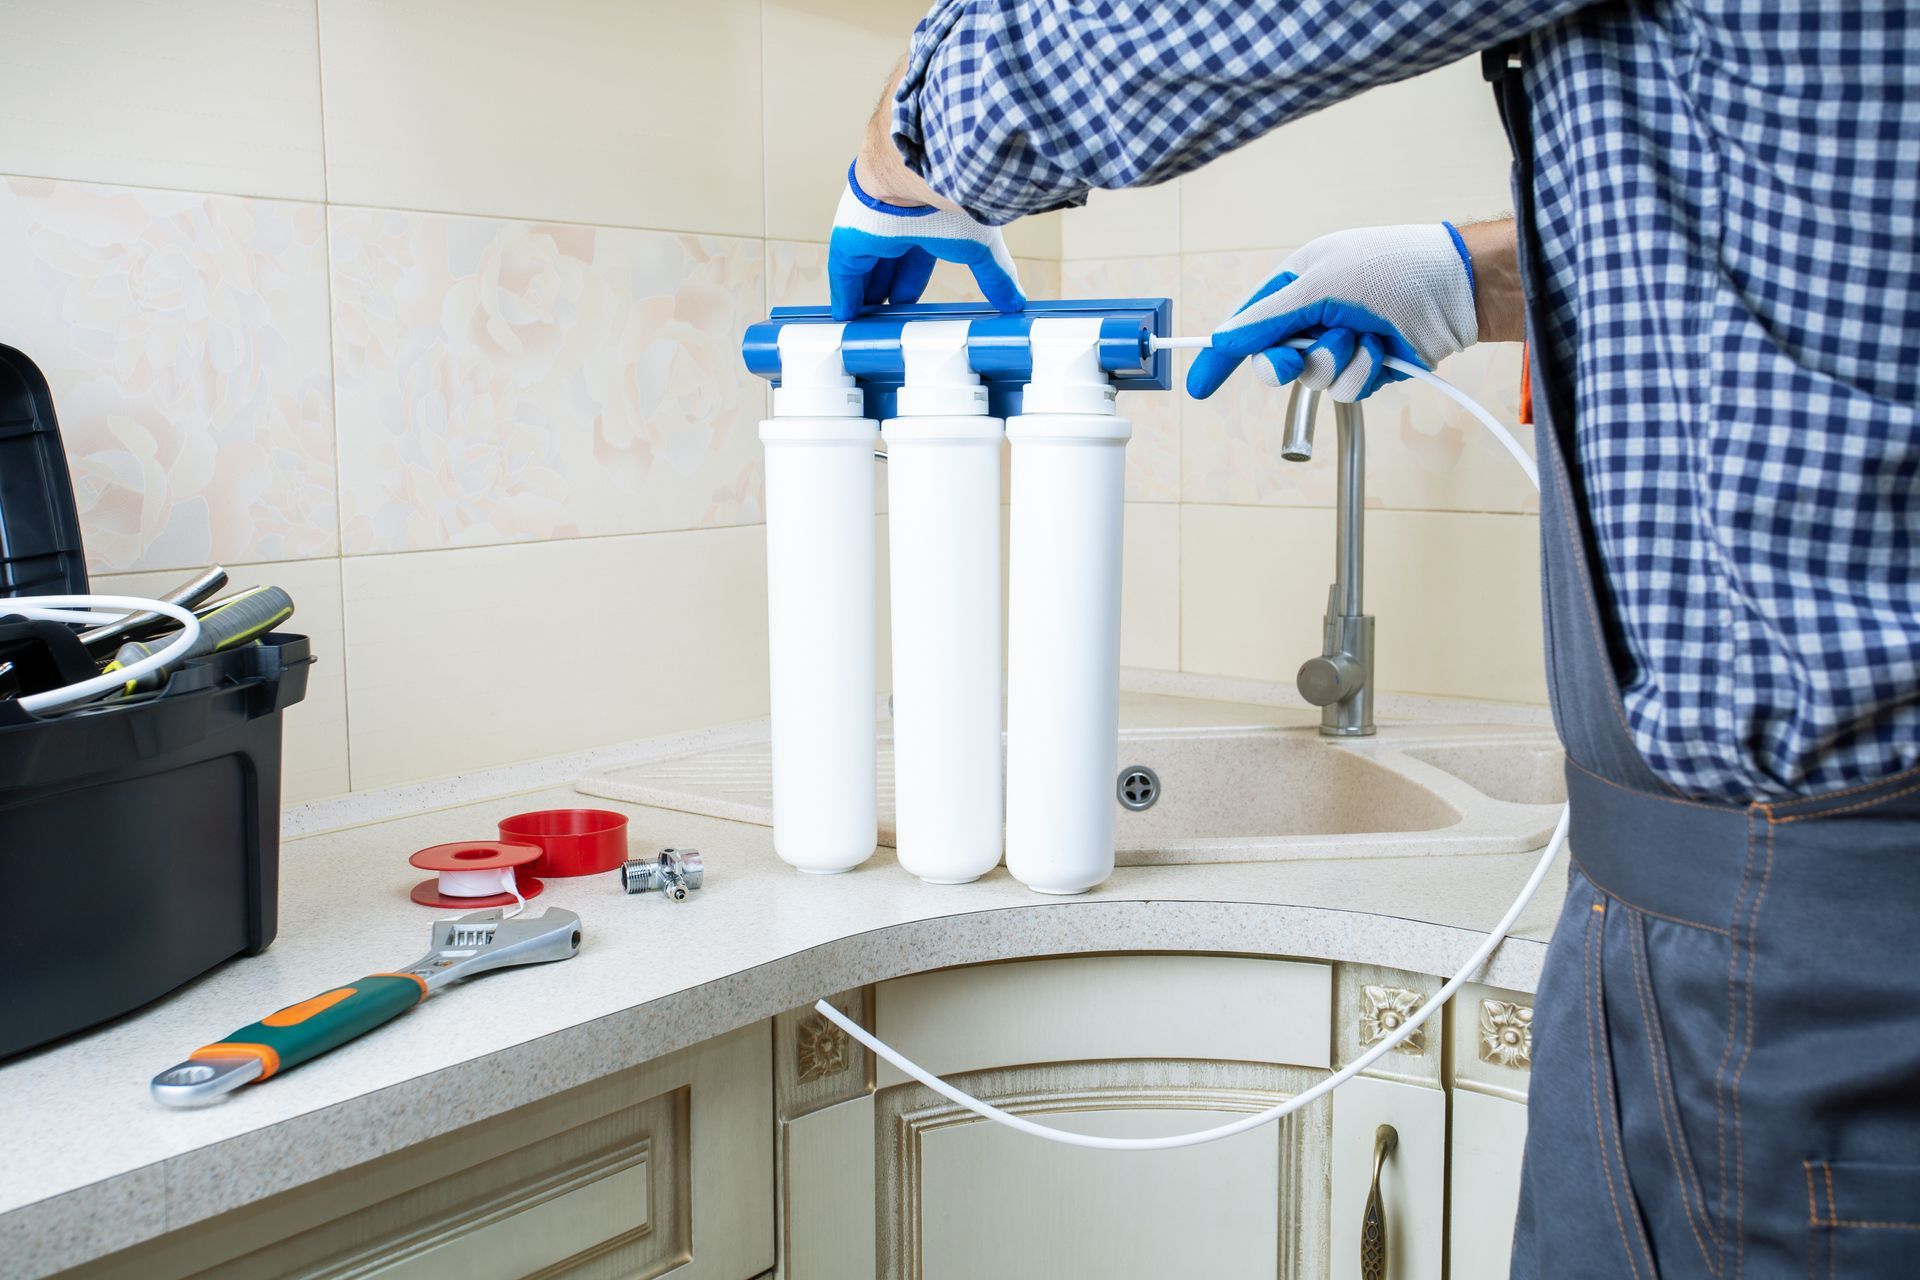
1115, 1045
659, 1170
1413, 1180
1489, 1135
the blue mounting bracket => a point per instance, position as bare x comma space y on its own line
997, 344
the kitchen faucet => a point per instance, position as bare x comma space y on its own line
1340, 680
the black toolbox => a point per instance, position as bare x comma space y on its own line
139, 842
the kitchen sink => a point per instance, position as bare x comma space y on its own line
1232, 793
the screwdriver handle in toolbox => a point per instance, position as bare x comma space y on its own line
237, 620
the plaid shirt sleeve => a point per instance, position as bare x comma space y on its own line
1012, 107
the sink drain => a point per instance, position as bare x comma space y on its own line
1138, 787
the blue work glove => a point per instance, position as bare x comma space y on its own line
1361, 295
882, 252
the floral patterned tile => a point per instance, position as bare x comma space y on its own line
185, 339
512, 381
1424, 451
1153, 456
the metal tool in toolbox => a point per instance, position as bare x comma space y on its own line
462, 947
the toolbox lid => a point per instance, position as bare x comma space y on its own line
40, 550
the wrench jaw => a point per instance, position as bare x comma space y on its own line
481, 941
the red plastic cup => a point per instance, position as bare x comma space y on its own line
572, 842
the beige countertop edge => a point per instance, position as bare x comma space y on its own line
200, 1183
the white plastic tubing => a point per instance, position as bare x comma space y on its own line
1466, 974
95, 610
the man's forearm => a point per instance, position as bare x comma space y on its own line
881, 171
1498, 303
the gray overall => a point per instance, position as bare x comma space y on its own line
1726, 1071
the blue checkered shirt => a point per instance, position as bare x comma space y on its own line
1728, 204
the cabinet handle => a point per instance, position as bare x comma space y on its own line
1373, 1225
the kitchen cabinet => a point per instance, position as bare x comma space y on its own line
881, 1177
659, 1170
784, 1151
1121, 1045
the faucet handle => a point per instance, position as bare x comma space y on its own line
1329, 678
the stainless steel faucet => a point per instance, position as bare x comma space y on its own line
1340, 680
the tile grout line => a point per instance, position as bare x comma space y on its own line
333, 408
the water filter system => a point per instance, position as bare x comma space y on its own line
942, 375
943, 378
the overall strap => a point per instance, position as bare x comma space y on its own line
1582, 679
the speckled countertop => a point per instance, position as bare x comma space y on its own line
92, 1165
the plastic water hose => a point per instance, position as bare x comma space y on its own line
1467, 972
96, 610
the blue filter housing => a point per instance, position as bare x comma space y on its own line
997, 345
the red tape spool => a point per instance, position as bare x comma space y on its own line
474, 855
573, 842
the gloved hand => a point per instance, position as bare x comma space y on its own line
882, 252
1362, 295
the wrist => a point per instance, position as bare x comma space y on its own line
1499, 304
878, 168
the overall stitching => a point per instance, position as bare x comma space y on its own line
1686, 1177
1631, 905
1833, 1254
1613, 1107
1813, 1219
1733, 1025
1746, 1055
1850, 808
1592, 1067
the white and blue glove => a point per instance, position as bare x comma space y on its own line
1361, 295
882, 252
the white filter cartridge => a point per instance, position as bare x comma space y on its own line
820, 607
1063, 655
943, 523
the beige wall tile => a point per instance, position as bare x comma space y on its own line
313, 760
204, 95
1253, 586
1425, 452
509, 381
490, 655
1034, 237
1418, 151
1153, 455
1457, 597
637, 113
1150, 587
1461, 596
185, 339
1123, 224
814, 117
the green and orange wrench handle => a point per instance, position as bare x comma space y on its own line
306, 1030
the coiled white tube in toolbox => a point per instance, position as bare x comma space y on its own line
1385, 1046
96, 610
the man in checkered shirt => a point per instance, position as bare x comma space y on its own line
1717, 258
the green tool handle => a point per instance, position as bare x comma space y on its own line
306, 1030
237, 620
